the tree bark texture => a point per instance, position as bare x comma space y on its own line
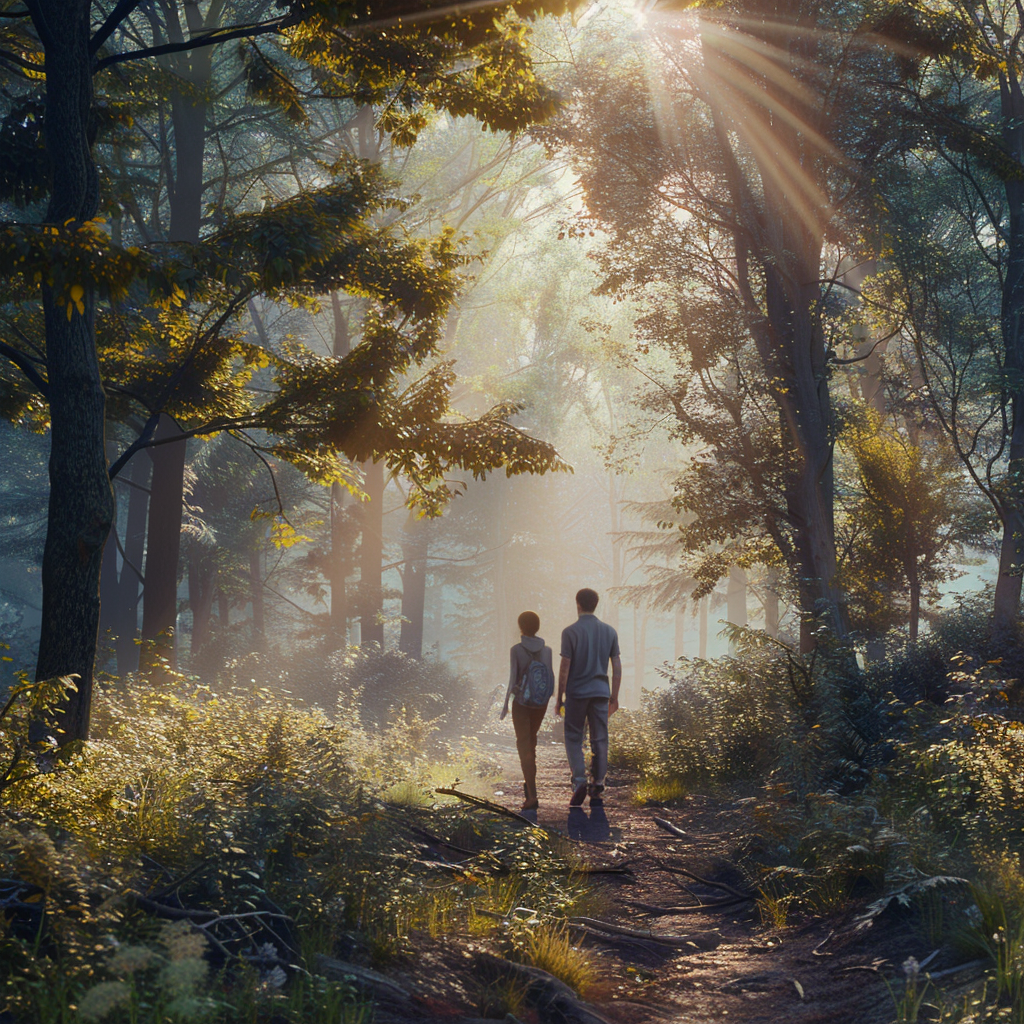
1006, 610
81, 503
119, 590
160, 604
371, 558
415, 545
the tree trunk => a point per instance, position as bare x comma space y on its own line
200, 600
736, 597
119, 591
702, 630
371, 559
81, 502
338, 560
679, 647
415, 546
1006, 610
256, 597
223, 611
635, 688
337, 567
163, 546
915, 604
771, 604
185, 195
778, 266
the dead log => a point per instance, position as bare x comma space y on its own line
700, 908
697, 940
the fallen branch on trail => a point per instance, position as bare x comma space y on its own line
610, 869
698, 940
487, 805
700, 908
706, 881
672, 829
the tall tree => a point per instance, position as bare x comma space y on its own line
73, 49
720, 154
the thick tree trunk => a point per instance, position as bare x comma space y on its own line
119, 591
702, 630
160, 602
223, 611
371, 559
1006, 610
778, 262
81, 504
415, 544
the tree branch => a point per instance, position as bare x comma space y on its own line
212, 38
25, 365
114, 18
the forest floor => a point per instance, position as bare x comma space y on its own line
819, 970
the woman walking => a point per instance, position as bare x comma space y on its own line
530, 684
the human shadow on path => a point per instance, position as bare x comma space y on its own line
594, 828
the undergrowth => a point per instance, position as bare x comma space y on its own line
270, 832
895, 786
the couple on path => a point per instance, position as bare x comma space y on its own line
584, 692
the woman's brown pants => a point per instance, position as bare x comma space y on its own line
527, 724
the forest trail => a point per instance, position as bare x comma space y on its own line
744, 972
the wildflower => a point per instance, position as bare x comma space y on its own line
911, 968
180, 977
182, 941
102, 998
275, 978
129, 959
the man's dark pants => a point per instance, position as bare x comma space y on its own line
579, 713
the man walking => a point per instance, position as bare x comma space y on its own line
583, 690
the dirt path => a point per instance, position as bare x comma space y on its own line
745, 973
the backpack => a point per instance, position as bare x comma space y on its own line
536, 684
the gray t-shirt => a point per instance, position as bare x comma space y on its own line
589, 643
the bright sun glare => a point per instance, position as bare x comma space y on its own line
756, 91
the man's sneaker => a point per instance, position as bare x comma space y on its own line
596, 795
579, 795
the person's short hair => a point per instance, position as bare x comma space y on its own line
587, 599
529, 623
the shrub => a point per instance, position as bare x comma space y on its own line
387, 687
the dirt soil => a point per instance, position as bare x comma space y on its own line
824, 971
